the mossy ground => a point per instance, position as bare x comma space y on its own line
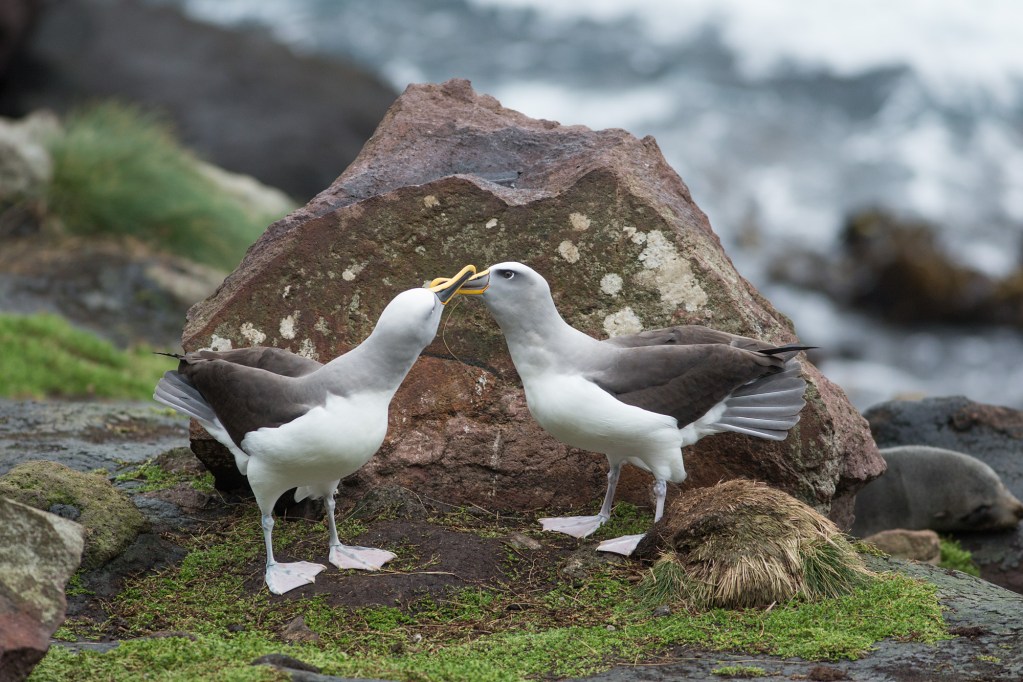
45, 357
431, 619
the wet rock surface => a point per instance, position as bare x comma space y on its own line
992, 434
86, 436
452, 177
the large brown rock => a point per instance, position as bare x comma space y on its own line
452, 177
38, 554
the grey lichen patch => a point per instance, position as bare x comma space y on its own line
611, 283
671, 275
579, 222
352, 271
625, 321
307, 349
250, 333
111, 521
569, 251
287, 325
219, 343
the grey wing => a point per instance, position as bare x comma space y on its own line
245, 398
682, 381
275, 360
686, 335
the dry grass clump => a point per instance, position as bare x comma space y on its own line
742, 544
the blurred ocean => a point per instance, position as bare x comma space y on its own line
782, 117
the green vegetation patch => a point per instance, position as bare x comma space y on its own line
45, 357
119, 170
152, 476
538, 624
955, 557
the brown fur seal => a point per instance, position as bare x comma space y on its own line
933, 488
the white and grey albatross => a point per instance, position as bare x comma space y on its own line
639, 398
291, 422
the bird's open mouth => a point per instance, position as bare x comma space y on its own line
447, 287
475, 284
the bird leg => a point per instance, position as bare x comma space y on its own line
582, 526
627, 543
349, 556
660, 492
281, 578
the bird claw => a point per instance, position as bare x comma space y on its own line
624, 545
360, 558
281, 578
576, 526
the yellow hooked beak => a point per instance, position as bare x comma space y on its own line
447, 287
474, 285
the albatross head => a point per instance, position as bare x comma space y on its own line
513, 292
412, 317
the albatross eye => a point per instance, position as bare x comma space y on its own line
507, 274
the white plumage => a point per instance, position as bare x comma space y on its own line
293, 423
639, 398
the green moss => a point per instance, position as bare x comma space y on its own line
111, 521
154, 477
739, 671
955, 557
476, 633
119, 170
626, 519
44, 356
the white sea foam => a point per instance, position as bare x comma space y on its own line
959, 48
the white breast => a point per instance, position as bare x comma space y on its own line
581, 414
327, 443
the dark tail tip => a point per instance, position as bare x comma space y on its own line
786, 349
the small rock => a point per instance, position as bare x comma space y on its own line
298, 632
522, 541
180, 461
65, 511
390, 501
825, 673
284, 661
582, 563
184, 496
917, 545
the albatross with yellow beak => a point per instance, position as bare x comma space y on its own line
639, 398
291, 422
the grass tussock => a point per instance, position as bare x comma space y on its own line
45, 357
745, 545
119, 170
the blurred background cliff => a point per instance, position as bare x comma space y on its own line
862, 162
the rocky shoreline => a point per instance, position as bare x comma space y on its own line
117, 437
